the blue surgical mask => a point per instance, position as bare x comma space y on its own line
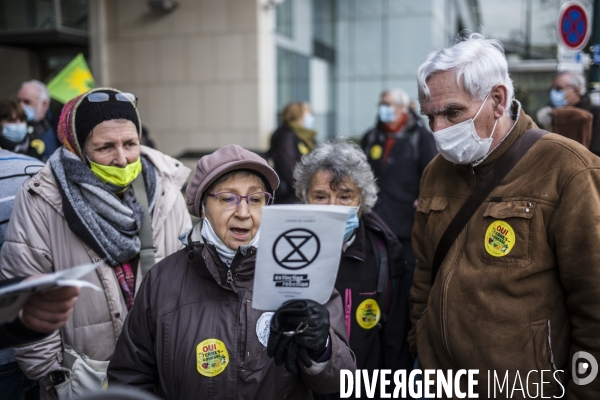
351, 223
15, 132
386, 113
309, 121
557, 98
29, 112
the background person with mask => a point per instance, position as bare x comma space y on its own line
372, 279
35, 100
518, 288
572, 113
294, 138
14, 134
87, 205
398, 148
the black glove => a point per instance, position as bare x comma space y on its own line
299, 329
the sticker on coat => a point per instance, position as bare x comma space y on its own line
499, 239
303, 148
368, 314
263, 327
211, 357
376, 152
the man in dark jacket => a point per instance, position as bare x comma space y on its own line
398, 149
35, 100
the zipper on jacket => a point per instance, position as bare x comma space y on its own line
348, 311
472, 170
229, 275
444, 317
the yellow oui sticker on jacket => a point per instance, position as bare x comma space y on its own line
211, 357
368, 314
375, 152
499, 239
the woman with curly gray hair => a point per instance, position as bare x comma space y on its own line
372, 276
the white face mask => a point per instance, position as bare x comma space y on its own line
460, 143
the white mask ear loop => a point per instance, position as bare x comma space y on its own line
481, 108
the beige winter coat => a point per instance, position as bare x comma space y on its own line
38, 240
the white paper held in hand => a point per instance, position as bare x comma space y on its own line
12, 297
299, 253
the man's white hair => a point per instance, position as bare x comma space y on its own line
400, 97
577, 80
44, 95
479, 63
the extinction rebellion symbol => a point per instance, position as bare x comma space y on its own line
296, 248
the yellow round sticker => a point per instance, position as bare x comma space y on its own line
38, 145
368, 314
303, 148
499, 239
376, 151
211, 357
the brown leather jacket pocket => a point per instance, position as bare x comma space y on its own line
505, 233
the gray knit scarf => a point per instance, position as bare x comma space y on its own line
107, 224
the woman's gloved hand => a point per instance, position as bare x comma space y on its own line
299, 329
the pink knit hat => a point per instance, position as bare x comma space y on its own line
226, 159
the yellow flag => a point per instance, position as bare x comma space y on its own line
72, 81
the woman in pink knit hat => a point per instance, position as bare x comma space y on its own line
193, 332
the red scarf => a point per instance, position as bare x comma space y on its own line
126, 281
391, 131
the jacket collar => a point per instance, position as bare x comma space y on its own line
358, 249
210, 265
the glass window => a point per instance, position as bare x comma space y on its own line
40, 14
26, 14
293, 73
284, 20
74, 14
323, 22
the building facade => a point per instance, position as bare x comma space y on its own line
212, 72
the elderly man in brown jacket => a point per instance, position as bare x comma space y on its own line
519, 288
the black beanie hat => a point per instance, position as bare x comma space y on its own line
89, 114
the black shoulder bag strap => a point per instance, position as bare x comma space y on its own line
501, 168
147, 259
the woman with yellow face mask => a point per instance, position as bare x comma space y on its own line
101, 197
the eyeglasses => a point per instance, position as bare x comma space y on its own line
230, 201
98, 97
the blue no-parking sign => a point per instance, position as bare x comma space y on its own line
573, 26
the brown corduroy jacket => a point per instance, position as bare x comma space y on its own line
528, 305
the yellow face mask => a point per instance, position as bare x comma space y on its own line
120, 177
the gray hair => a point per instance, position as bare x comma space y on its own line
479, 63
577, 80
41, 88
400, 96
343, 159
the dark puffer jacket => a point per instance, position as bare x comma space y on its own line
185, 300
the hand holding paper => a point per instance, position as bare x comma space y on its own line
49, 311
